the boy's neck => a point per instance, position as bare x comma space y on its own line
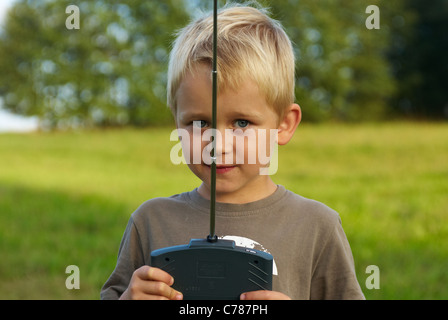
249, 193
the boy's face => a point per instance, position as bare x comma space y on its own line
244, 120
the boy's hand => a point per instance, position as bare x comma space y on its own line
148, 283
264, 295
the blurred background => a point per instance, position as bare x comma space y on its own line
373, 143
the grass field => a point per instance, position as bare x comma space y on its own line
65, 199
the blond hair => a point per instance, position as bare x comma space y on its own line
250, 44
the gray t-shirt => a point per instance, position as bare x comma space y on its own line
312, 257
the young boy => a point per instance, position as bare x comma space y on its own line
312, 257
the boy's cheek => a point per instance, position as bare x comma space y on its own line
260, 150
192, 150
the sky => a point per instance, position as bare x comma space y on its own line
4, 5
10, 122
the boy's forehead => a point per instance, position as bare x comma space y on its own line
198, 85
242, 101
195, 101
200, 74
193, 86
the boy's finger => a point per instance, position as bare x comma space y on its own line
154, 274
254, 295
161, 289
263, 295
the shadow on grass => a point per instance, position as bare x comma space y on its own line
42, 232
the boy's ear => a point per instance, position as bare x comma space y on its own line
288, 125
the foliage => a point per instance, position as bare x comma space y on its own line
109, 72
112, 71
418, 58
341, 70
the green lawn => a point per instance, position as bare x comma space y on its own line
65, 199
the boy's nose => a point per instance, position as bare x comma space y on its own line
224, 145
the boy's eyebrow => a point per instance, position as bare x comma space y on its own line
190, 115
251, 115
187, 115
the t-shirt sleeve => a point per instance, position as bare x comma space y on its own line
334, 276
130, 258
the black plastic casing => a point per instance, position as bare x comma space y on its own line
219, 270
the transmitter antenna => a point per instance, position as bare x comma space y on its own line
212, 236
214, 268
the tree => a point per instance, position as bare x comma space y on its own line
418, 56
111, 71
342, 72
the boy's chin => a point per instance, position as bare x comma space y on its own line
222, 187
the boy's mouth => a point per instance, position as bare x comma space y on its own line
220, 169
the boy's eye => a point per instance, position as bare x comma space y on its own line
241, 123
200, 123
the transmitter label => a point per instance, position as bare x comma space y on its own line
211, 269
